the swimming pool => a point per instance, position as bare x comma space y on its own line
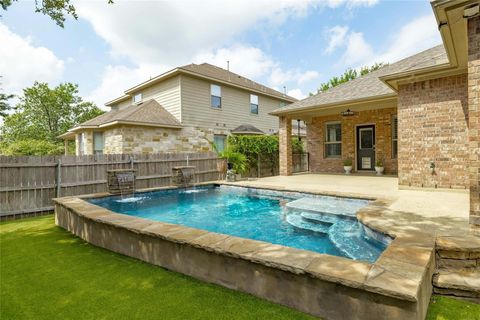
317, 223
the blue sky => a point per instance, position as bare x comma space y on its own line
292, 43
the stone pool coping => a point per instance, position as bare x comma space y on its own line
403, 271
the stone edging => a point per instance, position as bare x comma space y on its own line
400, 272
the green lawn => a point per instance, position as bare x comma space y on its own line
46, 273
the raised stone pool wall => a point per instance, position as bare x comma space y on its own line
397, 286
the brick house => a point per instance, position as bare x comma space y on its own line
415, 114
185, 109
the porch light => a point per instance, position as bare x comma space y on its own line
298, 130
347, 113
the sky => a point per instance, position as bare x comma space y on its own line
293, 43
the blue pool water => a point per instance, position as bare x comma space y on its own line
317, 223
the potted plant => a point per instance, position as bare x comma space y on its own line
379, 167
347, 165
236, 163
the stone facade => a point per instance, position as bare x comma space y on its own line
86, 148
285, 146
143, 140
433, 127
316, 130
474, 116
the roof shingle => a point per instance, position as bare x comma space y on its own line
149, 112
370, 84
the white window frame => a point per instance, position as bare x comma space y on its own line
215, 94
326, 142
95, 151
224, 140
137, 98
253, 99
394, 139
81, 144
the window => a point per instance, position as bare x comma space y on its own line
253, 104
333, 140
219, 140
137, 98
80, 144
394, 137
216, 96
98, 142
282, 104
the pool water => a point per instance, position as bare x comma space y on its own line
327, 226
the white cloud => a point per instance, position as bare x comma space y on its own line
358, 50
117, 78
336, 37
245, 60
419, 34
406, 42
296, 93
22, 63
173, 33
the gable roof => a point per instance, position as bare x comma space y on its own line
211, 73
214, 72
148, 113
247, 129
370, 86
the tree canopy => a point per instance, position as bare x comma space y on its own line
4, 105
57, 10
348, 75
44, 113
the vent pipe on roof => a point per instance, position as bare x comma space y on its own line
228, 65
285, 90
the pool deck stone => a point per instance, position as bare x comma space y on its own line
403, 272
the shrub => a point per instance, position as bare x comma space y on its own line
347, 162
265, 146
32, 148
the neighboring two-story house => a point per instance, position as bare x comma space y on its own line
185, 109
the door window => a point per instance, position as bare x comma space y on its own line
366, 138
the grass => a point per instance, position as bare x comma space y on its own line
47, 273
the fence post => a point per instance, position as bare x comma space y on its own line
258, 166
59, 177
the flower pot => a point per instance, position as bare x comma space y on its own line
348, 169
379, 170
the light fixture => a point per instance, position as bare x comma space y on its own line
347, 113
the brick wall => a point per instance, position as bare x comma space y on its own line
285, 146
381, 118
432, 123
474, 116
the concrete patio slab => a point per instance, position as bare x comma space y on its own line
433, 211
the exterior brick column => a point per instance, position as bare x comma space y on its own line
474, 116
285, 147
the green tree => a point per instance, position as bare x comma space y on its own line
44, 113
55, 9
4, 105
348, 75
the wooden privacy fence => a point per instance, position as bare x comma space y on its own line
28, 184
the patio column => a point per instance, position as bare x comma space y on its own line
474, 116
285, 147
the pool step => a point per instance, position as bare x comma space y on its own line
318, 218
349, 238
298, 222
329, 205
